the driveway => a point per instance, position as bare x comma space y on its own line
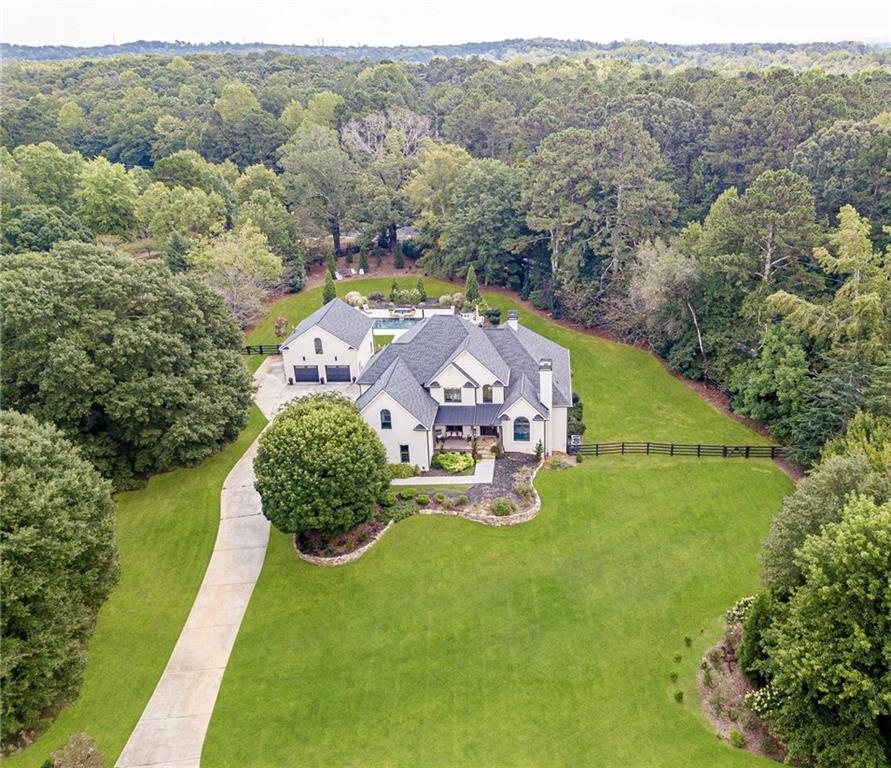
170, 733
273, 390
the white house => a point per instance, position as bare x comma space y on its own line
446, 377
334, 343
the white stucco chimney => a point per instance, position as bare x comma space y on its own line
513, 319
546, 382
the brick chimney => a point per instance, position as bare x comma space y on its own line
513, 319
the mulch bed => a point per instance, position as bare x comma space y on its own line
722, 690
318, 544
504, 480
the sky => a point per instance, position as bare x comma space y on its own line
427, 22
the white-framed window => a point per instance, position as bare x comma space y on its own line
521, 430
386, 419
452, 395
487, 393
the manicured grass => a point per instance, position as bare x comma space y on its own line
165, 534
549, 643
431, 490
381, 341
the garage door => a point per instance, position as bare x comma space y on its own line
337, 373
306, 373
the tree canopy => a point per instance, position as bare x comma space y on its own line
59, 564
138, 367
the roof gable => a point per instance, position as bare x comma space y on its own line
337, 318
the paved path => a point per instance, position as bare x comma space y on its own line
170, 733
484, 472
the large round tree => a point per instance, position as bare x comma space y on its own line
320, 467
140, 367
59, 564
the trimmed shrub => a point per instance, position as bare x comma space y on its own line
407, 494
400, 470
461, 500
453, 463
320, 467
737, 739
502, 506
524, 491
679, 697
422, 500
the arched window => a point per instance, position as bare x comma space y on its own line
521, 430
487, 393
318, 345
386, 420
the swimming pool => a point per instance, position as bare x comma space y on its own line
395, 323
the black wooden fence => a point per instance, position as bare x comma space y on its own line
680, 449
261, 349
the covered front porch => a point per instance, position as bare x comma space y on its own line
461, 427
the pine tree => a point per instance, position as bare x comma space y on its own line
399, 259
471, 286
175, 252
363, 262
422, 292
394, 290
329, 293
332, 265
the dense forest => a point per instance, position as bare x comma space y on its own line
736, 223
831, 57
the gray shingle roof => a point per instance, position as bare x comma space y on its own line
337, 318
522, 349
426, 349
398, 382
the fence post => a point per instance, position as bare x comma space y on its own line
773, 451
671, 449
724, 451
596, 449
747, 451
648, 447
623, 448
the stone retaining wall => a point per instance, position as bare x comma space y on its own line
517, 518
349, 557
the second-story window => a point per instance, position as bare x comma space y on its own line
318, 345
452, 395
386, 420
487, 393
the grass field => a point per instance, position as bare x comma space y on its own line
165, 534
545, 644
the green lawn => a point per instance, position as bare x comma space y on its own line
382, 340
165, 535
544, 644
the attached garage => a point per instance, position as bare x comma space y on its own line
306, 373
337, 373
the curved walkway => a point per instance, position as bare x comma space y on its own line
170, 733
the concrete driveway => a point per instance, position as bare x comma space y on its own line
273, 390
170, 733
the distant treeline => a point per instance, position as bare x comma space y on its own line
843, 56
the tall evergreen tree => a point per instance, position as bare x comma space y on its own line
329, 292
175, 252
471, 286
